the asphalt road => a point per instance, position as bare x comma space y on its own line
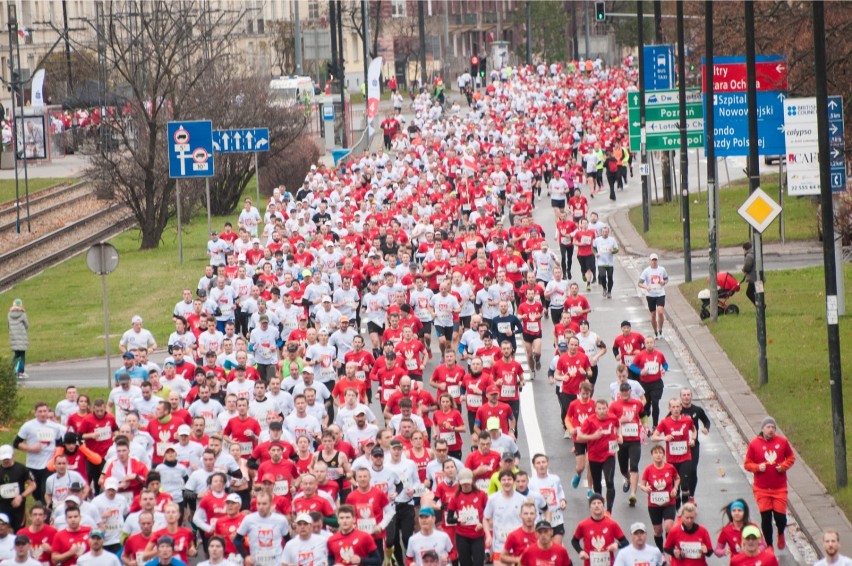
721, 478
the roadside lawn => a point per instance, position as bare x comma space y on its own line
797, 394
64, 304
7, 187
666, 231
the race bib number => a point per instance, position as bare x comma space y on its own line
327, 374
281, 487
367, 524
448, 437
629, 429
468, 516
411, 364
454, 391
45, 435
386, 394
586, 241
161, 448
678, 448
565, 241
482, 484
660, 497
599, 558
473, 401
361, 375
613, 446
533, 327
10, 490
628, 360
508, 391
690, 550
556, 518
246, 448
504, 327
652, 367
103, 433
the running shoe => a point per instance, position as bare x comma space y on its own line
575, 481
538, 364
631, 501
782, 542
626, 487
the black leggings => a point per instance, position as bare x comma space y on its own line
19, 360
567, 253
607, 470
653, 394
696, 454
471, 550
684, 470
766, 524
605, 273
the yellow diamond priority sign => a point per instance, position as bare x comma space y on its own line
759, 210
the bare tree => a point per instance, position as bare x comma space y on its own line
352, 20
159, 52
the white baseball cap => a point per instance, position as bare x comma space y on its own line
111, 483
7, 452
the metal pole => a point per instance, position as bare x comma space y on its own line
529, 32
841, 286
257, 177
106, 321
180, 222
754, 184
342, 60
207, 192
365, 19
684, 152
643, 151
421, 31
575, 41
588, 29
781, 199
297, 37
13, 40
834, 369
658, 22
698, 169
67, 47
44, 130
710, 142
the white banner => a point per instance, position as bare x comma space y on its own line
802, 144
38, 90
373, 90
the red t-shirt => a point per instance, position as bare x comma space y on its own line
773, 453
339, 391
103, 427
508, 376
628, 346
598, 535
763, 558
45, 535
689, 545
501, 410
575, 367
226, 527
662, 482
469, 509
315, 503
63, 541
607, 445
183, 538
284, 472
731, 537
238, 428
579, 411
530, 315
583, 241
473, 401
518, 541
369, 509
138, 543
556, 555
632, 409
476, 459
164, 435
354, 543
678, 449
410, 355
452, 377
651, 361
576, 305
445, 423
261, 452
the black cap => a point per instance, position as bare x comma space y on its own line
22, 539
541, 525
276, 425
624, 387
508, 456
377, 451
76, 486
70, 438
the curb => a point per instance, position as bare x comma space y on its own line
809, 502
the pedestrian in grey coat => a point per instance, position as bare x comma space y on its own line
18, 336
749, 275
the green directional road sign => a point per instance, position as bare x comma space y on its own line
662, 118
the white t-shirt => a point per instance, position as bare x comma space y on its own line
299, 552
419, 543
630, 555
655, 279
264, 535
133, 340
505, 515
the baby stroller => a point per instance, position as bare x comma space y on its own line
727, 286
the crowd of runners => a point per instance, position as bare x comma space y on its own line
403, 283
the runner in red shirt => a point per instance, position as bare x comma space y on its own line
412, 354
476, 383
40, 533
494, 408
521, 538
371, 506
598, 536
184, 539
508, 375
531, 312
583, 239
661, 482
678, 432
448, 378
628, 413
448, 425
752, 554
688, 543
602, 436
226, 527
572, 369
483, 462
651, 365
348, 543
576, 305
71, 542
465, 512
565, 228
545, 551
626, 345
243, 429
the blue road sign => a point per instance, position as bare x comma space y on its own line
730, 111
190, 149
836, 145
241, 141
659, 67
328, 112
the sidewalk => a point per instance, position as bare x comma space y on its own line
636, 245
809, 502
59, 168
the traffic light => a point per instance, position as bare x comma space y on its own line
474, 65
483, 66
600, 11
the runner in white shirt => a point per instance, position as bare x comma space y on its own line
638, 553
264, 529
503, 512
550, 487
249, 218
428, 539
306, 547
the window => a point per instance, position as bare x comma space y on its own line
313, 10
261, 25
399, 9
